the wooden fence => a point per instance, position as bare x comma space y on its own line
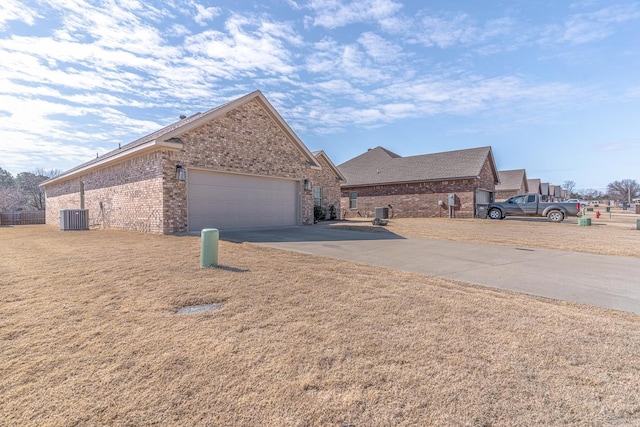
22, 218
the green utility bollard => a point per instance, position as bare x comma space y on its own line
584, 221
209, 247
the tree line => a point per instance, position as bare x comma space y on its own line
23, 192
624, 191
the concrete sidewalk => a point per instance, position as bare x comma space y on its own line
599, 280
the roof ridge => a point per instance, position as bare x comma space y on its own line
375, 169
390, 153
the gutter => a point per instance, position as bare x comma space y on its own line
407, 182
140, 149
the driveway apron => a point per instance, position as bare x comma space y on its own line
598, 280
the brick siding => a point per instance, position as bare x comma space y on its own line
419, 199
127, 195
245, 140
331, 192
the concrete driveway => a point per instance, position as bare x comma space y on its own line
598, 280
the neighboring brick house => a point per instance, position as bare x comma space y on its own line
535, 186
555, 193
326, 186
512, 182
544, 191
237, 165
419, 186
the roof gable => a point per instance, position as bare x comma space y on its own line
322, 155
544, 187
169, 137
380, 166
513, 180
534, 186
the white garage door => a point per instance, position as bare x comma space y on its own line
222, 200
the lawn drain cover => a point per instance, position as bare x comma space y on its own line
199, 308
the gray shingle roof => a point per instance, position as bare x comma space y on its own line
141, 141
545, 188
381, 166
169, 133
534, 185
512, 180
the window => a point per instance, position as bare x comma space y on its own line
317, 196
531, 198
353, 200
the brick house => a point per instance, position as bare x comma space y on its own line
512, 182
544, 192
555, 193
419, 186
236, 165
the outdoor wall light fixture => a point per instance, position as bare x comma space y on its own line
307, 185
181, 173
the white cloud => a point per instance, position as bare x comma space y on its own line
398, 111
633, 92
626, 145
459, 94
204, 14
334, 60
446, 32
587, 27
15, 10
336, 86
337, 13
247, 46
381, 50
592, 26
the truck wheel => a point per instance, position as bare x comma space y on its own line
495, 214
555, 216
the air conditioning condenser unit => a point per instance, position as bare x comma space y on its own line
74, 219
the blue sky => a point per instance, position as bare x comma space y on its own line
552, 86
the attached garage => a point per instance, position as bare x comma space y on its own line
228, 200
236, 165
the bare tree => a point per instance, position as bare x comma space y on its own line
29, 185
569, 186
50, 173
626, 189
6, 179
23, 191
591, 194
10, 199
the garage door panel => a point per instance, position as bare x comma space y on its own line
219, 200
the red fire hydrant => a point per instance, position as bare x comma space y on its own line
597, 214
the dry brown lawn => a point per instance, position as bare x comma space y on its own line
89, 335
